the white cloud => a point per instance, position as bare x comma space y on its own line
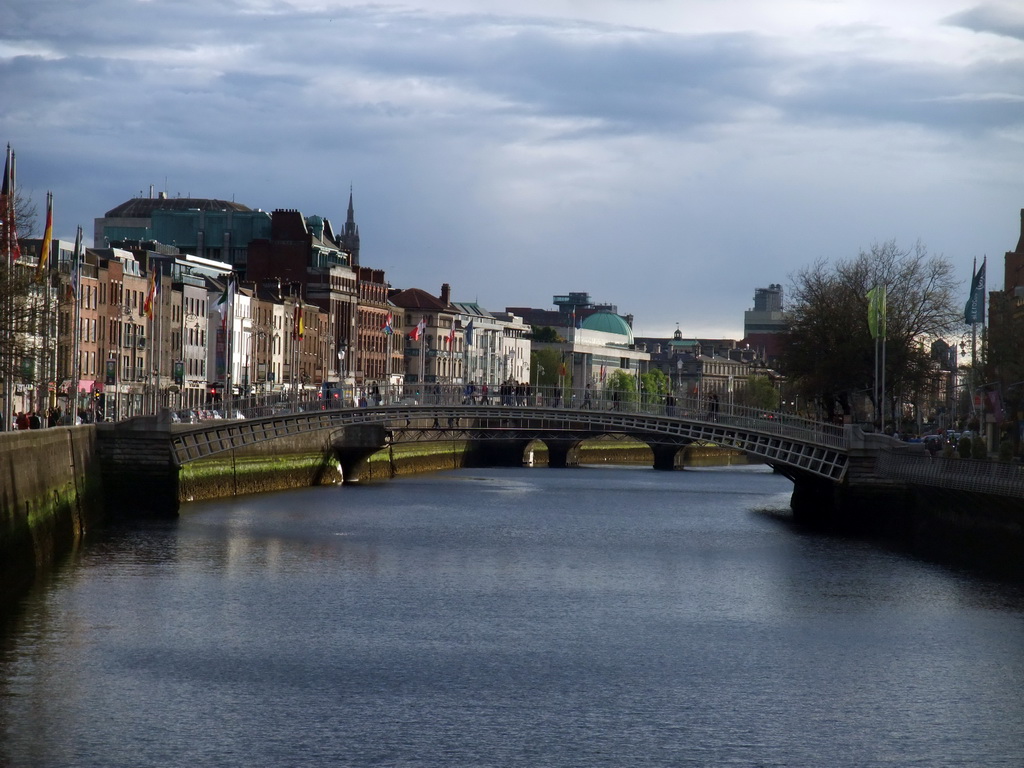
665, 157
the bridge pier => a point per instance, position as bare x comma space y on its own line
354, 445
559, 453
140, 475
813, 501
502, 453
665, 457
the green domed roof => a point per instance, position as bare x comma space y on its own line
608, 322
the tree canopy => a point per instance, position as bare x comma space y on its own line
760, 392
829, 352
622, 384
544, 333
546, 364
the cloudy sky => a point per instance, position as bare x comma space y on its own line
666, 156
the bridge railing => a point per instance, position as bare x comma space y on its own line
704, 410
976, 476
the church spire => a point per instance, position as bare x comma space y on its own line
350, 233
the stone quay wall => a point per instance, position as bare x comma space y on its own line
50, 495
295, 461
58, 483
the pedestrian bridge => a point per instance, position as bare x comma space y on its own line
792, 445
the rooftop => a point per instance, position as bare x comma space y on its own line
143, 207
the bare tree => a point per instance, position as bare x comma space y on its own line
25, 214
829, 351
19, 311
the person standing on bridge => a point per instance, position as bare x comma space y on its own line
586, 398
713, 407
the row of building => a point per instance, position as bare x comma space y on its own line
183, 301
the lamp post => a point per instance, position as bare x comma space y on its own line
129, 339
190, 326
262, 355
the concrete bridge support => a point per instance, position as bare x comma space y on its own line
560, 453
502, 453
140, 476
665, 457
814, 501
353, 445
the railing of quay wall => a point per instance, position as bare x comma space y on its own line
973, 475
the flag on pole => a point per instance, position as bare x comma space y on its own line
417, 332
152, 291
47, 244
10, 246
76, 266
387, 328
226, 300
469, 334
974, 310
451, 336
298, 323
5, 187
876, 311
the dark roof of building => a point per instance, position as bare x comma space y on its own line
416, 298
143, 207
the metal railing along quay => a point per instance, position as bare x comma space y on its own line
972, 475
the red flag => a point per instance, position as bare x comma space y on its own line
451, 336
417, 332
152, 293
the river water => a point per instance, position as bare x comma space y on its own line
510, 617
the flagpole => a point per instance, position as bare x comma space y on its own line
76, 297
159, 338
884, 334
43, 372
974, 324
154, 335
5, 254
875, 391
974, 334
229, 347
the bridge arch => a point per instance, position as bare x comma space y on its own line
798, 445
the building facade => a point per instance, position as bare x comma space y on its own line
764, 325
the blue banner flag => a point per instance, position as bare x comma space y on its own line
974, 310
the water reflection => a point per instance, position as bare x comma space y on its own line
590, 616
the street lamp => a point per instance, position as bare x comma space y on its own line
129, 339
189, 328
